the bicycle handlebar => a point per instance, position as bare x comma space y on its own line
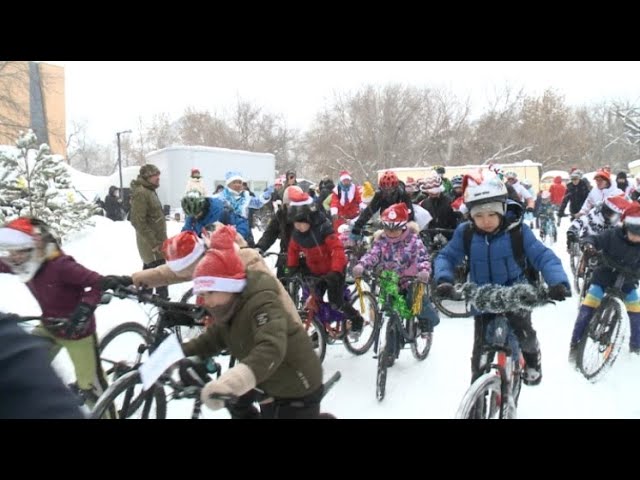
500, 299
194, 311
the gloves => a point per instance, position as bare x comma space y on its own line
445, 290
236, 381
358, 270
558, 292
112, 282
423, 276
193, 372
79, 320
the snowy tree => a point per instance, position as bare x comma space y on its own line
36, 183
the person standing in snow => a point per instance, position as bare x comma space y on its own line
195, 183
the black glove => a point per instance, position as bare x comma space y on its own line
79, 319
589, 249
193, 372
445, 290
558, 292
112, 282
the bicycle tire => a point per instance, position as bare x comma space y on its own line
420, 352
183, 332
609, 323
381, 374
122, 385
474, 402
349, 344
111, 335
320, 341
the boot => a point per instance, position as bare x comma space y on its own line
573, 355
584, 316
533, 368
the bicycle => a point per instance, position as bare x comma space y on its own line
494, 394
607, 330
401, 328
435, 240
172, 314
548, 230
330, 323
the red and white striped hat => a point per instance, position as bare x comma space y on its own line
221, 269
617, 203
182, 250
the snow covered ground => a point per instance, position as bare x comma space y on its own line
429, 389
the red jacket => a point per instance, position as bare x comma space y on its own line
321, 247
347, 208
60, 285
557, 191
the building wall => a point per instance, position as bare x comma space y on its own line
38, 95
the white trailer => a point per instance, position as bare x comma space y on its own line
175, 164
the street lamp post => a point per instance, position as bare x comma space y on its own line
120, 159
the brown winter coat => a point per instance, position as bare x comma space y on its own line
265, 338
251, 259
147, 217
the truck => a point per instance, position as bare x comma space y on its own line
175, 164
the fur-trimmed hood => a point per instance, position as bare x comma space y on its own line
411, 226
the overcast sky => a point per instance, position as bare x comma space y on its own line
111, 96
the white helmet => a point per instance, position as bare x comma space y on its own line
484, 188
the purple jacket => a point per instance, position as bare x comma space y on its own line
60, 285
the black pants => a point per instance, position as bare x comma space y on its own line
162, 291
335, 292
288, 408
522, 328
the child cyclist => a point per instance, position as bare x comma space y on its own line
492, 261
622, 245
399, 248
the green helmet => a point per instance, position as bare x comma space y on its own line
194, 205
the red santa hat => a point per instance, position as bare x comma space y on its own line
195, 170
182, 250
220, 270
617, 203
345, 175
631, 216
397, 214
298, 197
18, 232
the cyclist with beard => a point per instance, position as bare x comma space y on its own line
389, 193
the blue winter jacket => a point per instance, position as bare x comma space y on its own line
492, 260
217, 213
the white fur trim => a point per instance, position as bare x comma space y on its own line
334, 210
632, 220
13, 237
439, 189
345, 177
218, 284
233, 179
182, 263
308, 201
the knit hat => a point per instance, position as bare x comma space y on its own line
195, 171
367, 193
220, 270
232, 176
149, 170
18, 232
182, 250
345, 175
604, 175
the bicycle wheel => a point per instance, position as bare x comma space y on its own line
421, 346
185, 333
603, 338
120, 348
295, 291
381, 374
371, 316
483, 399
149, 404
450, 308
316, 332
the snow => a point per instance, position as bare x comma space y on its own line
429, 389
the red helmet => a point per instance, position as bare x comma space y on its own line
388, 180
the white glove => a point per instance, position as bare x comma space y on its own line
236, 381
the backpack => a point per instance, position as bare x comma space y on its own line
517, 243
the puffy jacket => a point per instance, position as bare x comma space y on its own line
147, 217
557, 191
492, 259
614, 244
321, 247
217, 213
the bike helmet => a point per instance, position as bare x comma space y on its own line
388, 181
456, 181
395, 217
576, 174
484, 188
511, 175
194, 204
432, 185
